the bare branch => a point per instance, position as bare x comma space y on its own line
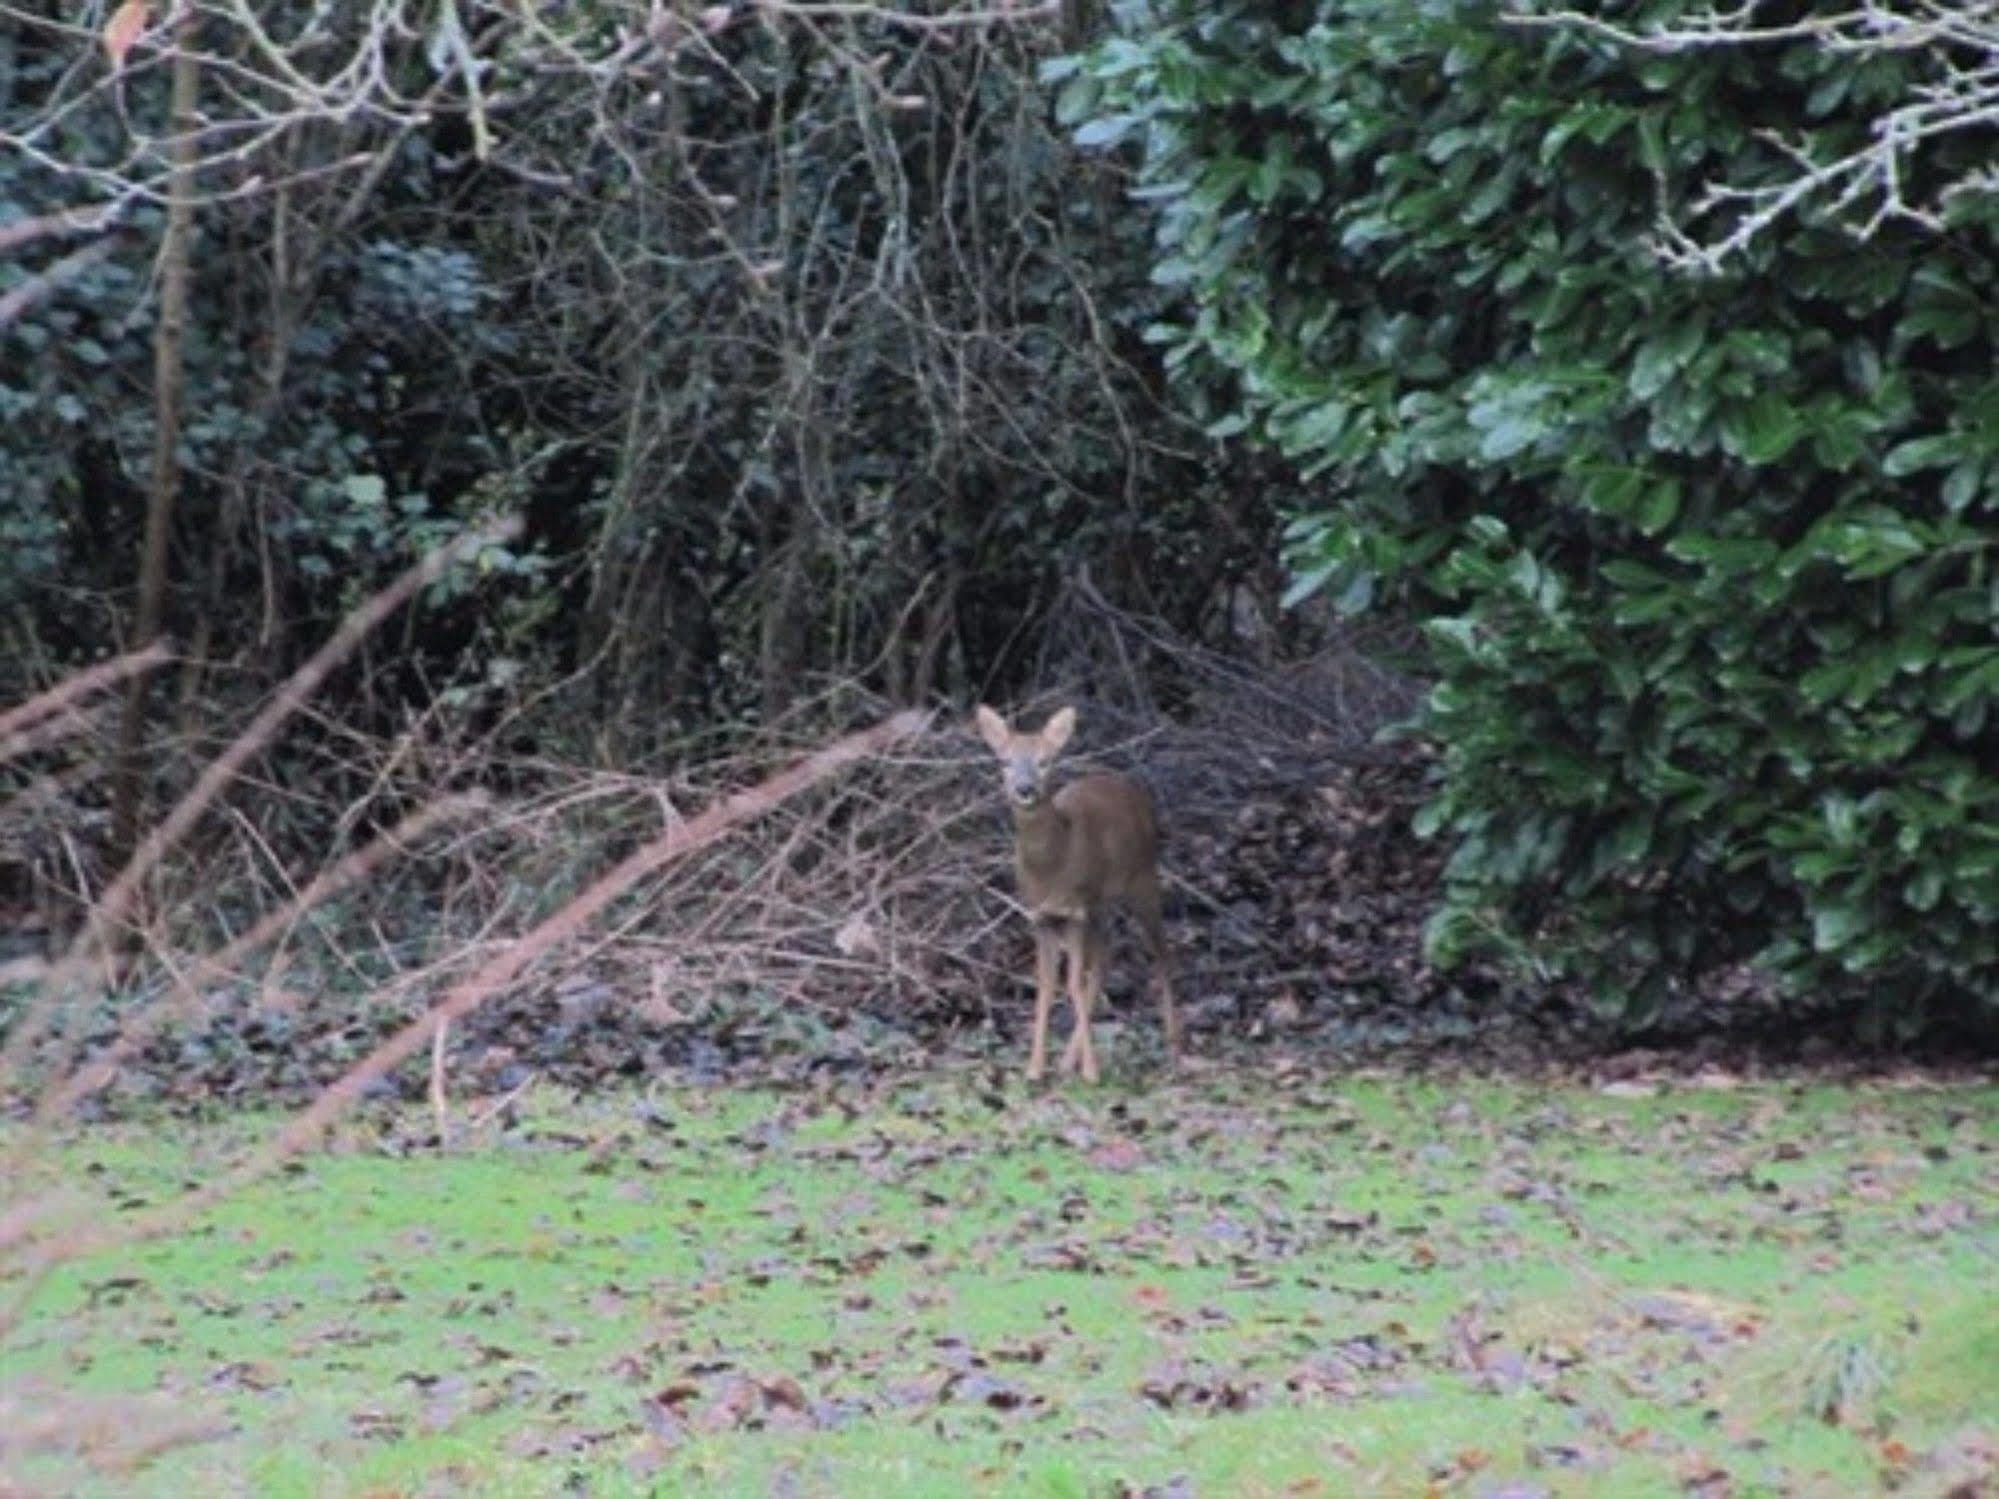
1004, 15
68, 221
24, 717
1867, 188
109, 912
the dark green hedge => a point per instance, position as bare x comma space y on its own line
1706, 560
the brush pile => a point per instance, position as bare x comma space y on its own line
867, 923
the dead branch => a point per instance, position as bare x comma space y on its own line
109, 913
65, 221
64, 1094
1004, 15
494, 975
18, 720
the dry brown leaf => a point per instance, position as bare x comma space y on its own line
127, 24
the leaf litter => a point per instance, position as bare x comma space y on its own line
1552, 1288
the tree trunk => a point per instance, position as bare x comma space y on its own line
939, 626
168, 368
783, 649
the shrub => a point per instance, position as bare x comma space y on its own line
1706, 561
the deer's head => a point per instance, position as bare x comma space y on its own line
1024, 758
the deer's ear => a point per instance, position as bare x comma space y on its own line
993, 729
1055, 733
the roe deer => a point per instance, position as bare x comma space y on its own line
1094, 841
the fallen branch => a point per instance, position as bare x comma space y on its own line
109, 912
564, 926
20, 721
697, 833
65, 1094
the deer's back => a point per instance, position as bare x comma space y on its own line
1109, 846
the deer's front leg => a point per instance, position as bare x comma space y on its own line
1047, 952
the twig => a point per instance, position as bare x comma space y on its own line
65, 221
1952, 97
499, 1106
1005, 15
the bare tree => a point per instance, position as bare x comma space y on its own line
169, 367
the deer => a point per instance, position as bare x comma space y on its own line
1077, 849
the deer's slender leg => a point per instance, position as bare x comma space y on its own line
1047, 953
1096, 955
1146, 899
1080, 942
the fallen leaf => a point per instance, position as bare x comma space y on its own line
1629, 1089
1117, 1155
784, 1391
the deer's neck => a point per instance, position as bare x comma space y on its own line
1041, 836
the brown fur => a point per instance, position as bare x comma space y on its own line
1092, 842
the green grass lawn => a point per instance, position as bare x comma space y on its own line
1223, 1286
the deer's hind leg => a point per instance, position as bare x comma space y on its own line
1096, 953
1083, 971
1146, 903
